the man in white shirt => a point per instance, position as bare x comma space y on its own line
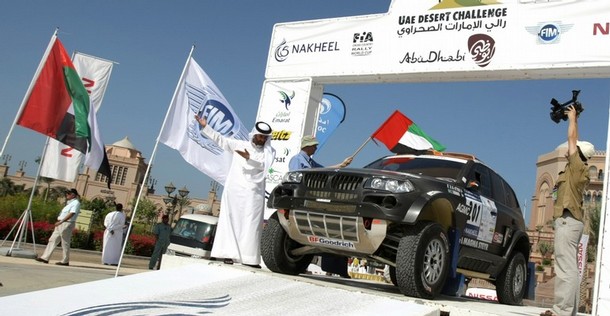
66, 221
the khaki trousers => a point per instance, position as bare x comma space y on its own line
568, 232
63, 233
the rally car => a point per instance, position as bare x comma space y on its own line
430, 217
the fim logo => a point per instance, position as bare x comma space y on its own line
362, 44
218, 115
550, 32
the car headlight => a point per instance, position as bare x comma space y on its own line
292, 177
394, 186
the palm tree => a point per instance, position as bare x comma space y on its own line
48, 181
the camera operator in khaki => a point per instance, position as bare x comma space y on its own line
568, 215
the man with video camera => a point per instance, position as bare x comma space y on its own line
568, 216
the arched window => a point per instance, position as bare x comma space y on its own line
593, 173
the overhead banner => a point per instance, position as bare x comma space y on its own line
426, 39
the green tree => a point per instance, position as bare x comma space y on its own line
48, 182
545, 248
147, 211
594, 217
7, 187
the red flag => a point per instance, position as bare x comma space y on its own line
57, 86
401, 135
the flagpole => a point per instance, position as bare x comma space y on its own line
21, 233
30, 88
361, 146
152, 157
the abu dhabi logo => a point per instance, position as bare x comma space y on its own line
482, 48
286, 99
202, 102
549, 32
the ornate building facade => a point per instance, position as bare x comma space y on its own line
128, 170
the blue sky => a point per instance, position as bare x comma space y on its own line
504, 123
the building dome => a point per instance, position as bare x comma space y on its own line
125, 143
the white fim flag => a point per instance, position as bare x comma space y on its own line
62, 162
197, 94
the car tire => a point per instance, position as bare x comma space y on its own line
511, 283
422, 260
276, 247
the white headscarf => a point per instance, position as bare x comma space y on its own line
262, 128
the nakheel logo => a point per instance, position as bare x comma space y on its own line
482, 48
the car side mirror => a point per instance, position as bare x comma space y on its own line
473, 185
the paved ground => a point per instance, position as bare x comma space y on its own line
21, 275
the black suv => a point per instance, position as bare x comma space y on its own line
432, 218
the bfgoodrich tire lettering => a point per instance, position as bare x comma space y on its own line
422, 260
510, 285
276, 247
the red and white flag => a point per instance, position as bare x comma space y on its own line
400, 135
62, 161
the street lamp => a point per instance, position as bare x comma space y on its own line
172, 200
6, 158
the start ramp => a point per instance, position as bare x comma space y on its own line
186, 286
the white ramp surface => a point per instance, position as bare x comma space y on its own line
205, 288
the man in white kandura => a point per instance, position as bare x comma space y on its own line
242, 207
113, 236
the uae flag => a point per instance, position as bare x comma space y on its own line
401, 135
58, 106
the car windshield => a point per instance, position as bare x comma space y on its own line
432, 167
190, 229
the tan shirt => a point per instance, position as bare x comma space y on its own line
571, 186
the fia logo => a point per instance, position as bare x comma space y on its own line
364, 37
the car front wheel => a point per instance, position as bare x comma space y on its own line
422, 260
276, 247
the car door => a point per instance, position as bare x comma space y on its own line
482, 211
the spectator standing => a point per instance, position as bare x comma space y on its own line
161, 231
568, 216
303, 160
113, 236
66, 221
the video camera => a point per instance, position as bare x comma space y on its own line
557, 111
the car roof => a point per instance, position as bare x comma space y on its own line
458, 157
201, 218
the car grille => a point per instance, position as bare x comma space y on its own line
337, 182
318, 186
329, 226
